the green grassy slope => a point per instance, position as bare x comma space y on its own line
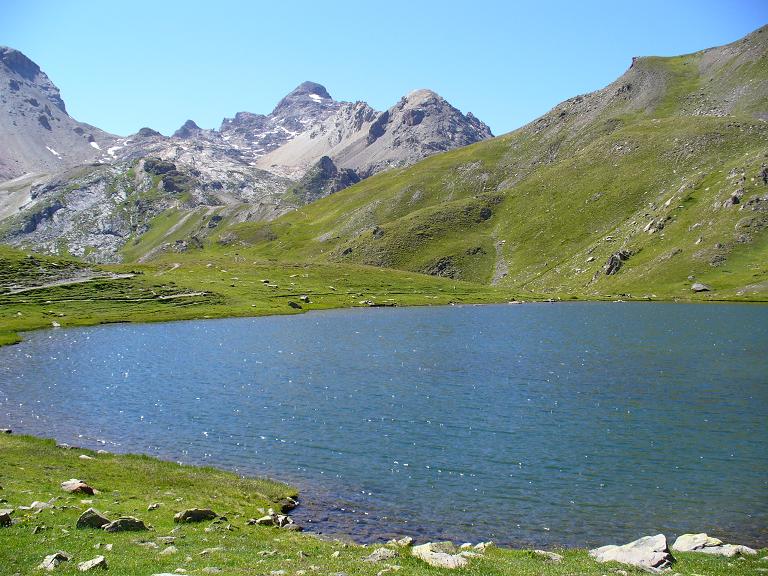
32, 469
642, 166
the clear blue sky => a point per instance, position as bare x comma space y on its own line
122, 65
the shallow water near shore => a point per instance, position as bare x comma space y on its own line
577, 424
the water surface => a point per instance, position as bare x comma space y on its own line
576, 424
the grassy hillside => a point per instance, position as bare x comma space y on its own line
648, 168
32, 469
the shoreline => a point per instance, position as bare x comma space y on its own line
150, 493
10, 338
322, 507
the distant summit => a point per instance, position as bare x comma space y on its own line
36, 133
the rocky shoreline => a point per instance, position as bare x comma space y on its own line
649, 553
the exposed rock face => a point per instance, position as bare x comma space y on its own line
305, 106
36, 133
359, 138
188, 130
648, 552
615, 262
309, 143
322, 179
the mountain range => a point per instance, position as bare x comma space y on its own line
652, 185
74, 188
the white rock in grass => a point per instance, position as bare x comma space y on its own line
648, 552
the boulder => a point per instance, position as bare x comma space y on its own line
195, 515
380, 555
169, 550
728, 550
699, 287
701, 542
38, 506
263, 521
439, 555
287, 504
402, 542
5, 517
75, 486
648, 552
98, 562
126, 524
51, 561
549, 556
92, 518
689, 542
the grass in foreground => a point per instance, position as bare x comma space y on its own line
32, 469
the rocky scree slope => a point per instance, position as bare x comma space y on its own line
646, 187
103, 210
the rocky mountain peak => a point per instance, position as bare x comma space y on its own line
36, 133
20, 71
188, 130
421, 96
306, 93
19, 63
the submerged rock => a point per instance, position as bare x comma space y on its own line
648, 552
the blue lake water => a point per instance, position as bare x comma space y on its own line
575, 424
